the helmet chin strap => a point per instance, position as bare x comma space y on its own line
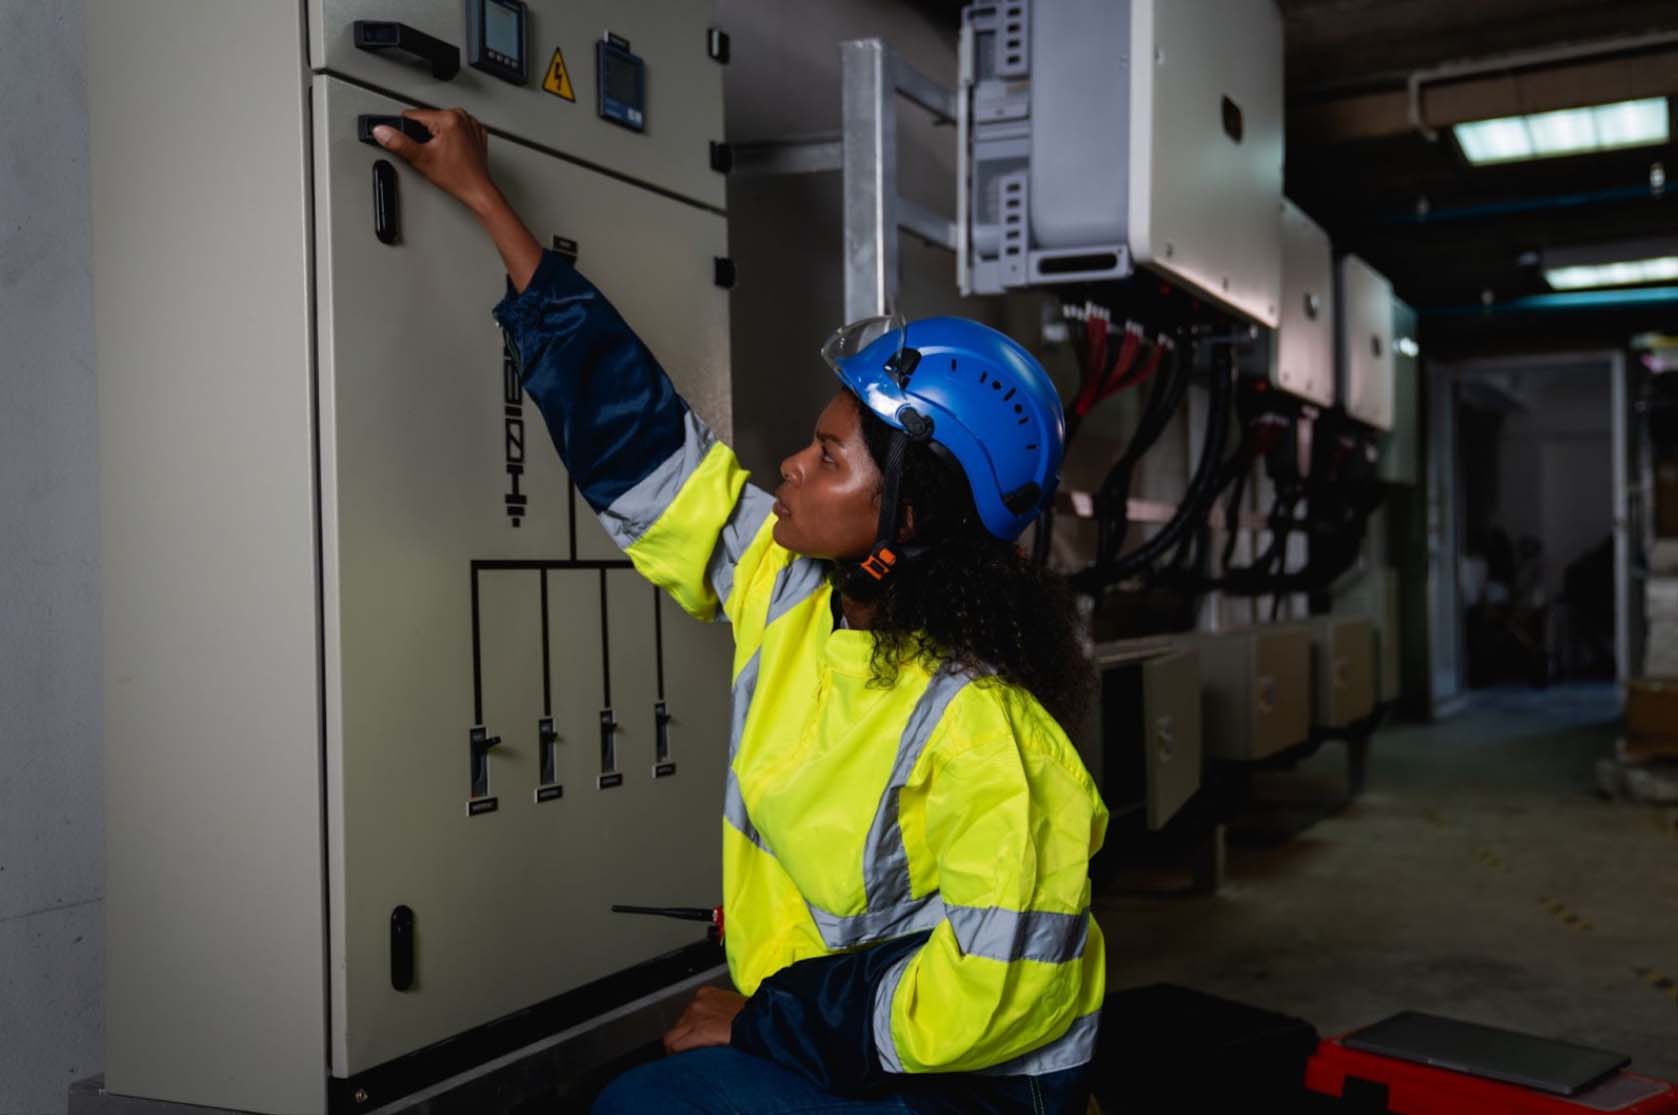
883, 559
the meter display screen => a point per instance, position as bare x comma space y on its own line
501, 30
621, 81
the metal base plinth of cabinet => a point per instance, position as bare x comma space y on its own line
561, 1047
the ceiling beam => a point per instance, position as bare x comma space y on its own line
1480, 97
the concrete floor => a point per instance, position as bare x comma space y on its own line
1479, 877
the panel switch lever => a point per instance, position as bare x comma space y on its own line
367, 121
376, 36
610, 776
481, 741
663, 766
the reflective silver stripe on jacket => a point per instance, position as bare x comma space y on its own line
884, 1043
885, 862
733, 803
1073, 1048
630, 515
840, 931
793, 585
1019, 934
750, 510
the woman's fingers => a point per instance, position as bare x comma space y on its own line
456, 157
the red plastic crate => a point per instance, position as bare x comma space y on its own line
1417, 1089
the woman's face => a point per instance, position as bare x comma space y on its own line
828, 504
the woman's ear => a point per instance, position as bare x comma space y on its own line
908, 531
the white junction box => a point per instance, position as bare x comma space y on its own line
1364, 350
1302, 361
1103, 135
391, 724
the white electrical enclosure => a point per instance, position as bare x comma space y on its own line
338, 548
1103, 135
1364, 349
1303, 344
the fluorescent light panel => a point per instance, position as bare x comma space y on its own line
1624, 273
1569, 131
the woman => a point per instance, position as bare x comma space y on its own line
907, 829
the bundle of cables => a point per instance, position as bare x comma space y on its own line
1109, 361
1112, 564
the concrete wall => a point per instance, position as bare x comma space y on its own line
51, 807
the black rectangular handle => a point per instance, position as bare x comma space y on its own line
413, 129
387, 217
376, 36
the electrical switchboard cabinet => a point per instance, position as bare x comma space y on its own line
1103, 135
1256, 690
390, 723
1302, 347
1142, 741
1364, 349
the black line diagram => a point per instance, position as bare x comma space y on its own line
481, 741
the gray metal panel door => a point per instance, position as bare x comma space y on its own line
1365, 348
423, 448
683, 84
1281, 688
1171, 732
1345, 677
1206, 145
1305, 340
214, 979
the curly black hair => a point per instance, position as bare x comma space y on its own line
968, 597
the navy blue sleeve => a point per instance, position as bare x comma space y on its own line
612, 412
816, 1017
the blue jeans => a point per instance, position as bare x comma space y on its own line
724, 1081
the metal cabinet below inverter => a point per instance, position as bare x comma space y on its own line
1256, 690
1142, 742
1342, 670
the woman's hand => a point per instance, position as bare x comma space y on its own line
456, 160
708, 1020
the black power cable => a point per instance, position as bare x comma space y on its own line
1112, 566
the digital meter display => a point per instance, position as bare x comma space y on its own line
501, 30
622, 80
621, 83
495, 38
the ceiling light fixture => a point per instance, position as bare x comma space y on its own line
1568, 131
1624, 263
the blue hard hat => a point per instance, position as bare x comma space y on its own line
988, 401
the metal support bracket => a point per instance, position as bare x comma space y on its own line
872, 76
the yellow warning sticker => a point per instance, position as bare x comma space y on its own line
558, 81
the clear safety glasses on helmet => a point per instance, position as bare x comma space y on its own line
849, 340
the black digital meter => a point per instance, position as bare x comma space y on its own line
621, 82
496, 34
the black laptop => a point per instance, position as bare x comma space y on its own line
1559, 1067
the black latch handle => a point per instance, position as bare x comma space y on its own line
376, 36
413, 129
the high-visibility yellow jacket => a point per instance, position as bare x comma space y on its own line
948, 815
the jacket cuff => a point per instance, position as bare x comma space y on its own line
554, 277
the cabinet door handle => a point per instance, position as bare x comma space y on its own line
376, 36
